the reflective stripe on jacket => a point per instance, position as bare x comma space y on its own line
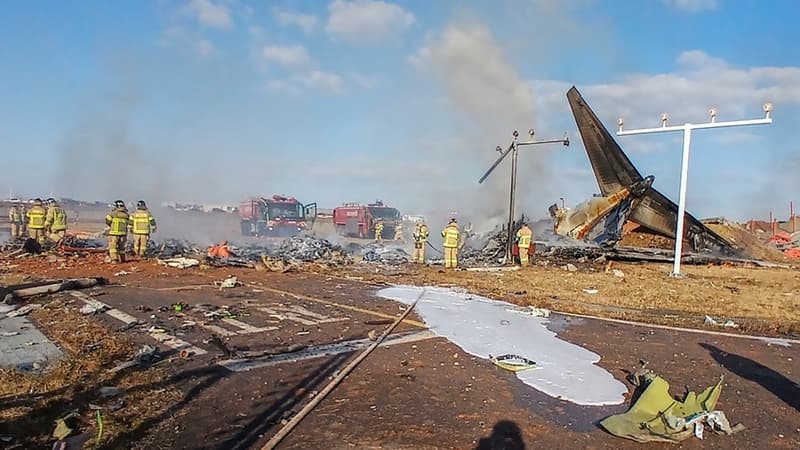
143, 222
422, 234
56, 218
450, 235
15, 215
36, 217
524, 236
118, 222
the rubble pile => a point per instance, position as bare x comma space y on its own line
752, 245
171, 248
378, 253
491, 251
79, 242
309, 249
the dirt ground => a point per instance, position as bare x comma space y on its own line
422, 394
258, 352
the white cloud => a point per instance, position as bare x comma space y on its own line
306, 22
699, 82
288, 56
320, 81
210, 14
367, 21
314, 80
692, 6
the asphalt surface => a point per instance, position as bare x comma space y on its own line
419, 392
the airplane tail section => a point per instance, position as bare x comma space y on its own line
612, 168
614, 172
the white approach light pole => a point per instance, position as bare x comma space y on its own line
687, 137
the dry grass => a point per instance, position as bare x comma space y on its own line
29, 404
759, 299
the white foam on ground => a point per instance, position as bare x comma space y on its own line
483, 327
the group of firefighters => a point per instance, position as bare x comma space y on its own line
43, 222
47, 222
454, 241
140, 223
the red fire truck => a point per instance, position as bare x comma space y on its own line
357, 220
278, 216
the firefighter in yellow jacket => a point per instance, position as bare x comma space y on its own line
15, 217
420, 240
36, 217
142, 225
55, 222
379, 230
450, 235
524, 238
117, 222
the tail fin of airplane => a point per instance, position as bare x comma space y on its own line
614, 171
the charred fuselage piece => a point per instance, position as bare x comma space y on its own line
625, 194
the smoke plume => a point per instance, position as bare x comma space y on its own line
491, 99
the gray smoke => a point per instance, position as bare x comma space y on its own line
492, 99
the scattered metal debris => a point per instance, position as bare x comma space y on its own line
656, 416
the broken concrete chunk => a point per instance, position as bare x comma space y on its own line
228, 283
180, 263
92, 309
570, 268
23, 311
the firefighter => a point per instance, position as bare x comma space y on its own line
523, 239
142, 224
398, 231
36, 217
420, 240
23, 212
55, 222
450, 236
117, 222
16, 219
379, 230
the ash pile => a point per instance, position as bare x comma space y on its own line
486, 249
309, 249
382, 254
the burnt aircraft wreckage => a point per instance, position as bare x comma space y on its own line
624, 195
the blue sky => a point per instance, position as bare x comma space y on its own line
352, 100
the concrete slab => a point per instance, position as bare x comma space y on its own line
24, 347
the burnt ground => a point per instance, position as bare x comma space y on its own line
426, 393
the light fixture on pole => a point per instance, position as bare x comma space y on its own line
513, 149
687, 137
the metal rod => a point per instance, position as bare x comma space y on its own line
697, 126
512, 201
676, 264
546, 141
283, 432
770, 223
